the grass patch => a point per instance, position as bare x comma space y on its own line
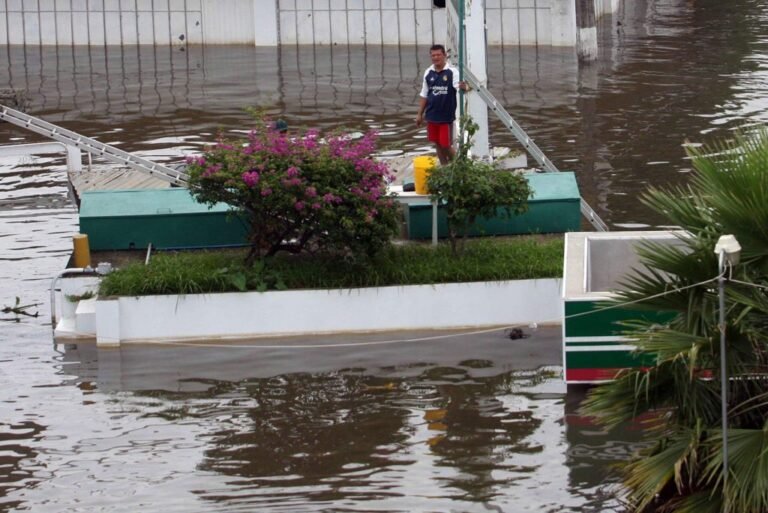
409, 264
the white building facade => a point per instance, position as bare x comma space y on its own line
279, 22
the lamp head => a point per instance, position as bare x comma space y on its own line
730, 247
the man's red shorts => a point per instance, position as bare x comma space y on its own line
440, 133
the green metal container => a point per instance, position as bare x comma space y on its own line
167, 218
554, 208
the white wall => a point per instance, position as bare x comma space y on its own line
268, 22
209, 316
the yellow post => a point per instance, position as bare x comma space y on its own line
82, 253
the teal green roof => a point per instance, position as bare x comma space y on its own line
554, 186
143, 202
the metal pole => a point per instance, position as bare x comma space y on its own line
723, 375
461, 58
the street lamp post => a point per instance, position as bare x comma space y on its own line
728, 251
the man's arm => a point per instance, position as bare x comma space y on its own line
420, 115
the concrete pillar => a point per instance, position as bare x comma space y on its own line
265, 22
586, 30
475, 58
74, 159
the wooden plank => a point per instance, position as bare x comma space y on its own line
105, 177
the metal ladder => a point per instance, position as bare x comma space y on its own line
92, 146
527, 142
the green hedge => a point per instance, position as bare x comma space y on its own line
407, 264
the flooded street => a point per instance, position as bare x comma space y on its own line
443, 425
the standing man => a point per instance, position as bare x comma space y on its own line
438, 102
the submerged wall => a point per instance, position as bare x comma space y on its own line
272, 22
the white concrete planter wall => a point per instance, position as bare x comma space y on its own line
271, 22
251, 314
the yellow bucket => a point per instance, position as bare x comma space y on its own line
82, 253
421, 167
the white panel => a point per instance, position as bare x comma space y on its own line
111, 5
233, 25
304, 27
128, 5
160, 5
63, 5
146, 28
510, 25
407, 4
46, 5
339, 5
389, 4
563, 24
14, 5
320, 5
96, 28
303, 5
194, 28
160, 22
287, 5
407, 27
129, 29
15, 28
3, 29
356, 26
493, 23
79, 5
194, 5
491, 4
80, 27
48, 28
339, 27
439, 25
543, 27
424, 27
287, 27
178, 28
371, 4
112, 35
265, 24
526, 3
322, 27
31, 28
372, 27
177, 5
389, 27
144, 5
64, 27
527, 27
96, 5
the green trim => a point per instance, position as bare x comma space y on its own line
604, 323
596, 343
607, 359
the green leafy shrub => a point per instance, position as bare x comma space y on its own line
470, 189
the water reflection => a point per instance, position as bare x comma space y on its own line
437, 434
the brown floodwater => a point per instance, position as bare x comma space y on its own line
467, 424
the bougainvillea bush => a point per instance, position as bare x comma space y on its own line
300, 193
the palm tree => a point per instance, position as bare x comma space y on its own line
682, 470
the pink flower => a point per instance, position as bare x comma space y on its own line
299, 205
266, 191
250, 178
